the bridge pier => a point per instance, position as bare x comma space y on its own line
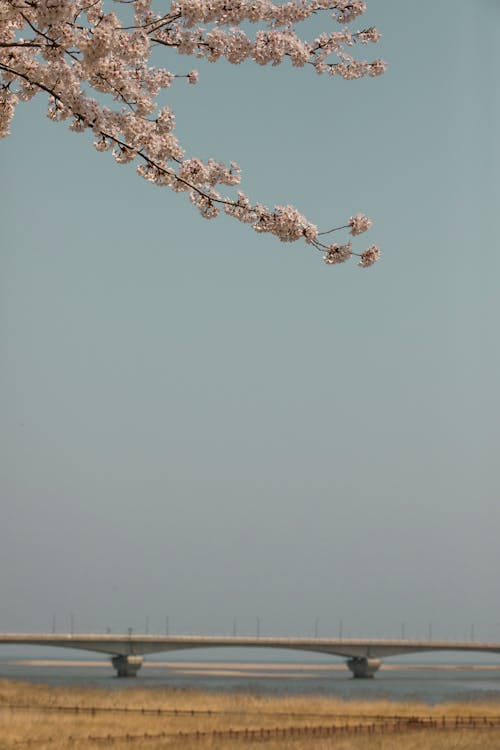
363, 666
126, 666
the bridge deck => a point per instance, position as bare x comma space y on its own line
117, 644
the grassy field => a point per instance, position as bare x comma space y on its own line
39, 717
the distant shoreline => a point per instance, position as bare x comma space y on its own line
243, 668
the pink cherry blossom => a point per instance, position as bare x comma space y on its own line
359, 224
337, 253
369, 257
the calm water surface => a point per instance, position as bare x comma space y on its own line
429, 683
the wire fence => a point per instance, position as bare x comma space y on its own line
394, 725
240, 711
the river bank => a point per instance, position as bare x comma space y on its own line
55, 717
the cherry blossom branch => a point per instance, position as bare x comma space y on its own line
64, 57
335, 229
21, 44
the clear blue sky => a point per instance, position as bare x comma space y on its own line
201, 422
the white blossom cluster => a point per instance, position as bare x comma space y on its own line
359, 224
69, 48
337, 253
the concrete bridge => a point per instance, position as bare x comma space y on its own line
127, 651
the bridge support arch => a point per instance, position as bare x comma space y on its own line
126, 666
363, 666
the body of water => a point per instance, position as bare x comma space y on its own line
273, 674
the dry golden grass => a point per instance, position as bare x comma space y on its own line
52, 718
